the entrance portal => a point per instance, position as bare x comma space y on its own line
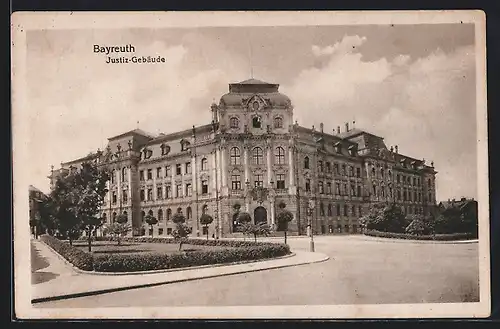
260, 215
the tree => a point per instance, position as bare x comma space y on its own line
117, 230
284, 217
244, 219
419, 225
206, 220
181, 231
384, 217
261, 229
77, 198
151, 220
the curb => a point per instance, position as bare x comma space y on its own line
396, 240
76, 269
146, 285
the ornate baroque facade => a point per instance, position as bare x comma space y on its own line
254, 156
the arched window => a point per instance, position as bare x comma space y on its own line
125, 214
160, 215
179, 210
279, 156
113, 176
204, 209
104, 217
150, 213
234, 122
169, 213
204, 164
189, 213
143, 214
306, 163
257, 156
278, 122
114, 217
321, 209
124, 174
330, 210
234, 156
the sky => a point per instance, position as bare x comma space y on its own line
414, 85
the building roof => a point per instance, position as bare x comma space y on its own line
133, 132
463, 202
34, 189
253, 82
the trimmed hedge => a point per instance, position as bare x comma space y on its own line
238, 251
436, 237
75, 256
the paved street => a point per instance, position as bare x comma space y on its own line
360, 270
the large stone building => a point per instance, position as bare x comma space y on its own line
253, 157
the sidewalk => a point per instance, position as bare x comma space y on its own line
394, 240
71, 283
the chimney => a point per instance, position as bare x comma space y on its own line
396, 149
313, 129
353, 124
392, 149
338, 130
346, 126
321, 127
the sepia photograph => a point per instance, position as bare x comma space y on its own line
250, 165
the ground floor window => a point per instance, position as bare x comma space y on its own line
205, 230
150, 231
160, 231
169, 230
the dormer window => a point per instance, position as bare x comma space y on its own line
278, 122
185, 145
147, 153
338, 147
165, 149
353, 150
234, 123
256, 122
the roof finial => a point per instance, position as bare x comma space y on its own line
137, 124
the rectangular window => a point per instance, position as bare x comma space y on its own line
113, 197
236, 182
398, 178
188, 168
344, 170
178, 169
113, 177
320, 187
359, 191
353, 190
168, 171
337, 188
344, 191
308, 185
360, 211
328, 188
259, 180
150, 194
414, 181
178, 191
328, 167
320, 166
143, 195
125, 195
141, 175
205, 230
351, 171
204, 187
189, 190
280, 181
159, 193
346, 210
168, 191
338, 210
160, 231
336, 168
169, 230
158, 172
150, 174
358, 172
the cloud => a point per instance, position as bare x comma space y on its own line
347, 44
425, 105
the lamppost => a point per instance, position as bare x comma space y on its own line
310, 208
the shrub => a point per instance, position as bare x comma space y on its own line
109, 262
436, 237
75, 256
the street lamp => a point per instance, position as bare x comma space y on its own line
309, 225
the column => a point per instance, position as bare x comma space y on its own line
172, 181
272, 213
245, 162
194, 185
218, 166
155, 196
214, 170
291, 166
223, 167
118, 186
129, 175
269, 150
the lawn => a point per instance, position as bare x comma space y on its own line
111, 247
